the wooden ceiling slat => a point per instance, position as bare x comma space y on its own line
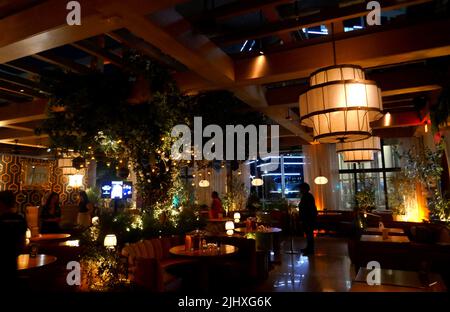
324, 17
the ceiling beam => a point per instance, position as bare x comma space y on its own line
238, 8
23, 112
393, 46
97, 51
27, 32
65, 63
326, 16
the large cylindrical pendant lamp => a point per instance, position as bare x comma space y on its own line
359, 151
340, 104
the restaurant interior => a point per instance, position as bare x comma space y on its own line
259, 146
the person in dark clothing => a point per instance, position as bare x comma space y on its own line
308, 216
51, 214
13, 229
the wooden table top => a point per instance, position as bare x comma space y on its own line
390, 230
390, 239
224, 250
268, 230
398, 280
48, 237
25, 262
220, 220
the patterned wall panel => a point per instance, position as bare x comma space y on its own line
11, 176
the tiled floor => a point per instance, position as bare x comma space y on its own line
329, 270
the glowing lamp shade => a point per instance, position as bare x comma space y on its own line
321, 180
110, 241
76, 180
229, 227
28, 234
95, 220
257, 182
237, 217
359, 151
340, 104
203, 183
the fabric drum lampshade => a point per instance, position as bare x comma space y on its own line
340, 104
359, 151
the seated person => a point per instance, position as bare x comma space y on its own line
51, 214
13, 229
85, 209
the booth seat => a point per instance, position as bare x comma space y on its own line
149, 263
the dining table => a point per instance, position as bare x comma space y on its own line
390, 239
207, 259
391, 231
49, 237
27, 262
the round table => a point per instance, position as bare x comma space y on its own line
270, 230
224, 250
25, 262
49, 237
206, 259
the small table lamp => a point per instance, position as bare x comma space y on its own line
229, 227
110, 241
237, 217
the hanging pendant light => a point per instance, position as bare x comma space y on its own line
359, 151
340, 103
257, 182
203, 183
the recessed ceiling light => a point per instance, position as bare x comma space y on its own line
22, 90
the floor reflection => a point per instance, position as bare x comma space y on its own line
329, 270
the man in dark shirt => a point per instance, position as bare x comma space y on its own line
308, 217
13, 229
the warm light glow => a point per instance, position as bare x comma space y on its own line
28, 234
237, 217
229, 227
110, 241
257, 182
76, 180
95, 220
71, 243
259, 66
340, 104
203, 183
359, 151
426, 128
321, 180
387, 119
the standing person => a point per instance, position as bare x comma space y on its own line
51, 214
216, 206
13, 229
308, 216
85, 209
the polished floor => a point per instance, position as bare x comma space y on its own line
328, 270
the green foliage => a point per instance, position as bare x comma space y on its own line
440, 111
425, 168
94, 195
235, 199
365, 197
424, 165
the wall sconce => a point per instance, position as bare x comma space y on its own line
76, 180
229, 227
110, 241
